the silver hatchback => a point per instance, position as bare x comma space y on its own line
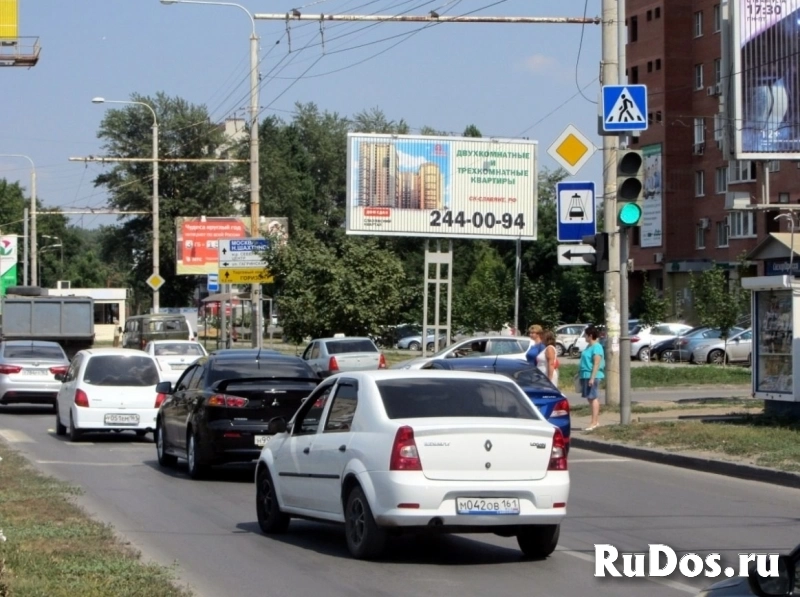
28, 370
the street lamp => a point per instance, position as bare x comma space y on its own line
32, 256
55, 246
790, 219
156, 255
255, 289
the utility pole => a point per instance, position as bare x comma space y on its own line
610, 76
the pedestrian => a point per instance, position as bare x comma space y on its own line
591, 371
547, 359
117, 332
535, 334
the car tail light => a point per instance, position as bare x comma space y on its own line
635, 339
9, 369
227, 401
561, 409
59, 370
81, 399
332, 364
382, 362
160, 400
405, 456
558, 456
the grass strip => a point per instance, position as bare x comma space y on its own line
584, 410
54, 549
766, 441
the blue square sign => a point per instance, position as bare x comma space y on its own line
576, 208
624, 108
212, 283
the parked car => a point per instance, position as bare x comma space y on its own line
738, 349
384, 452
219, 410
141, 329
666, 350
581, 343
685, 345
174, 356
786, 583
544, 395
327, 356
28, 370
643, 337
414, 341
566, 336
479, 346
107, 389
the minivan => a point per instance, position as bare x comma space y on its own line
141, 329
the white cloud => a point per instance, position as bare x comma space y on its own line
409, 162
539, 63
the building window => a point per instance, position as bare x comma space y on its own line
699, 131
633, 29
634, 75
722, 233
743, 224
658, 63
783, 197
717, 71
649, 15
659, 116
698, 77
699, 183
700, 237
717, 18
742, 171
717, 127
649, 66
658, 12
721, 182
698, 23
775, 166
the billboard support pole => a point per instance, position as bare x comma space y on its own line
449, 295
223, 317
425, 282
517, 281
25, 238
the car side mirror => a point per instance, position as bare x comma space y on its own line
60, 377
164, 387
276, 425
774, 586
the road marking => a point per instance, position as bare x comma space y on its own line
672, 584
573, 460
15, 437
90, 463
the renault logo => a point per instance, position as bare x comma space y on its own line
488, 445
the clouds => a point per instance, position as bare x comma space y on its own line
408, 161
540, 64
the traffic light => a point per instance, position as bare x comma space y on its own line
600, 256
630, 187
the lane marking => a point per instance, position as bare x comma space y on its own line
15, 437
90, 463
571, 460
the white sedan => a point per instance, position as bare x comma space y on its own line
393, 451
174, 356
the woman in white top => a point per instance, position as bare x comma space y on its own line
546, 360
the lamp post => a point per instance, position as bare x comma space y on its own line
255, 216
790, 218
29, 257
156, 247
59, 244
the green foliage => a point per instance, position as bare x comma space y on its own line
541, 299
654, 310
471, 131
718, 302
486, 301
374, 120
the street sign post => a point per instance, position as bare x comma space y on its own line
212, 283
624, 108
241, 261
573, 254
575, 210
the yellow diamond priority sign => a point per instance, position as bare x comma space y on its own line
155, 281
571, 150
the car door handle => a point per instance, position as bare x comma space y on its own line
342, 448
306, 450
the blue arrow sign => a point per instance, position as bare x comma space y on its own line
624, 108
575, 210
212, 283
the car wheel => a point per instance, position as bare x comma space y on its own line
365, 539
164, 459
430, 347
197, 470
74, 432
538, 542
644, 355
716, 357
668, 356
559, 350
270, 518
574, 352
61, 429
415, 346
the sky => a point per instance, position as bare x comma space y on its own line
510, 80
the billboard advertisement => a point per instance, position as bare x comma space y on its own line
8, 263
652, 218
197, 239
766, 81
406, 185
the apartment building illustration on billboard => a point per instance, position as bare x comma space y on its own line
409, 174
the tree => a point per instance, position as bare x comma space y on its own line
654, 309
374, 120
471, 131
486, 301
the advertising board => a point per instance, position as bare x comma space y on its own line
438, 187
8, 263
652, 210
766, 82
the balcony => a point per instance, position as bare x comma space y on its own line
19, 51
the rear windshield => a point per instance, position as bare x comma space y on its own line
167, 325
118, 370
530, 378
419, 398
344, 346
177, 349
46, 353
225, 369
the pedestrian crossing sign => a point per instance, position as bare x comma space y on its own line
624, 108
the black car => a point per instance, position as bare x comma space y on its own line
219, 410
669, 350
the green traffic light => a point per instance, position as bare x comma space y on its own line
630, 214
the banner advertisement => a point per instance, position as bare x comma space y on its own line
766, 80
438, 187
652, 206
8, 263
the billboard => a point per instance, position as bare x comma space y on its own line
766, 81
460, 187
8, 263
197, 240
652, 213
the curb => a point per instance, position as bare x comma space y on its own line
730, 469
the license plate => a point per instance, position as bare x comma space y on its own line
180, 367
35, 371
262, 440
115, 419
487, 506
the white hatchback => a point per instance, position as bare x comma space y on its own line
173, 357
416, 451
108, 389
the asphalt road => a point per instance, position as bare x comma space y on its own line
209, 528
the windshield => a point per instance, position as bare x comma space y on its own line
230, 369
121, 370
